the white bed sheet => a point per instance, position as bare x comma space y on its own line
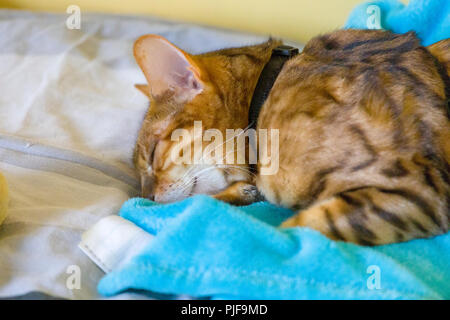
69, 116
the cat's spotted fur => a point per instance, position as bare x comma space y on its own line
364, 133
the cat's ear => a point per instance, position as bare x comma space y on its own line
143, 88
170, 71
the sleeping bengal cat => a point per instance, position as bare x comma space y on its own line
364, 132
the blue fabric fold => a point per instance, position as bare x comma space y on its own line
430, 19
207, 248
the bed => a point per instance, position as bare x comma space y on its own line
69, 117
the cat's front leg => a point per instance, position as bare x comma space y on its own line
240, 193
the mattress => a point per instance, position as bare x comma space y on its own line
69, 117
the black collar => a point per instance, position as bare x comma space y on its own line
266, 80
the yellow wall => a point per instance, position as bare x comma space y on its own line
293, 19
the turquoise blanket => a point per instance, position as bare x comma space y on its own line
206, 248
430, 19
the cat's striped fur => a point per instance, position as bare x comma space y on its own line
368, 115
363, 128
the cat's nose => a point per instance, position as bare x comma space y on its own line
147, 188
147, 195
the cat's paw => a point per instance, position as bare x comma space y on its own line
240, 193
252, 192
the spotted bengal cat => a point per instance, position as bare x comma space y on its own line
364, 132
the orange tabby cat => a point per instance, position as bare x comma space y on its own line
364, 133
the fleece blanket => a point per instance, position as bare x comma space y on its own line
206, 248
203, 247
430, 19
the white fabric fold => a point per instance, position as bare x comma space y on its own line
113, 241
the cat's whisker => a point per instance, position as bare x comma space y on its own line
188, 183
239, 169
242, 169
202, 158
227, 140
